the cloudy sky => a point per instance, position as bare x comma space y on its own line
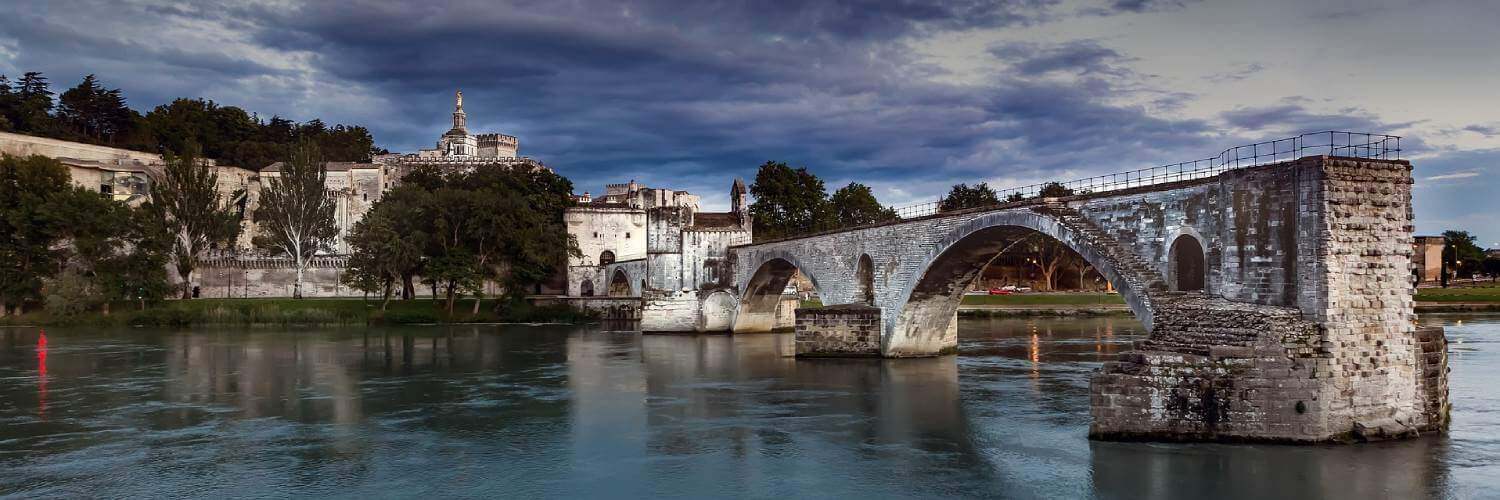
906, 96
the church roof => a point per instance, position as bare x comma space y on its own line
715, 220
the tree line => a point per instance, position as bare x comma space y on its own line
92, 113
458, 230
1464, 258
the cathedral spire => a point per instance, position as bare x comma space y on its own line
459, 119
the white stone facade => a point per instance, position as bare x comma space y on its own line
656, 242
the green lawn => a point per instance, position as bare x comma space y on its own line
1469, 294
305, 311
1043, 299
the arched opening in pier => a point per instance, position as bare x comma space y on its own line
586, 289
771, 296
619, 284
866, 277
925, 323
1185, 264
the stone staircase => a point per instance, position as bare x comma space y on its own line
1183, 322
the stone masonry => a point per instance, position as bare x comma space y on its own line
849, 330
1303, 331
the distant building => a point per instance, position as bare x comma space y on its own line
460, 149
635, 240
1427, 259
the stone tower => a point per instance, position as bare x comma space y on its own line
457, 141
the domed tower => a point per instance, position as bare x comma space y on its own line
457, 141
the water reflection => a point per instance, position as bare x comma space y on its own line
563, 411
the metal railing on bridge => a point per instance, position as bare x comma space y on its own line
1330, 142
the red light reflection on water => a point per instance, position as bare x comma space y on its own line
41, 375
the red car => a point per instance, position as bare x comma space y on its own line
998, 291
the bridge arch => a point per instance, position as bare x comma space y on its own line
929, 301
762, 293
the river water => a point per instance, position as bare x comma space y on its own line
539, 411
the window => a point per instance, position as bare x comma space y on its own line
606, 258
627, 236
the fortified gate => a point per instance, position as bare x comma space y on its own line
1277, 297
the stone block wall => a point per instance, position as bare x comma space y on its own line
669, 311
1432, 390
841, 331
269, 278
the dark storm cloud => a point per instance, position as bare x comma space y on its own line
1079, 56
686, 94
1293, 115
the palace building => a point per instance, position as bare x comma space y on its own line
638, 241
459, 148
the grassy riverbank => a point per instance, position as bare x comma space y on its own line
279, 312
1465, 294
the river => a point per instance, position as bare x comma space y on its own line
548, 411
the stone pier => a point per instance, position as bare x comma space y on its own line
850, 330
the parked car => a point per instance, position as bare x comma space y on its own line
1000, 291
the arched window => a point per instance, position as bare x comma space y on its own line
606, 258
866, 275
586, 289
1185, 264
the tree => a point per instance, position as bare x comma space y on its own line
962, 197
1055, 190
1047, 255
296, 211
187, 201
34, 108
137, 270
855, 205
93, 111
29, 188
1491, 266
1461, 254
381, 254
94, 230
788, 202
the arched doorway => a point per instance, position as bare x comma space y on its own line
1185, 264
586, 289
866, 275
606, 258
619, 284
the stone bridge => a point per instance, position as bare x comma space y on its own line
1278, 298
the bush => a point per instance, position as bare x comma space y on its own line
71, 294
